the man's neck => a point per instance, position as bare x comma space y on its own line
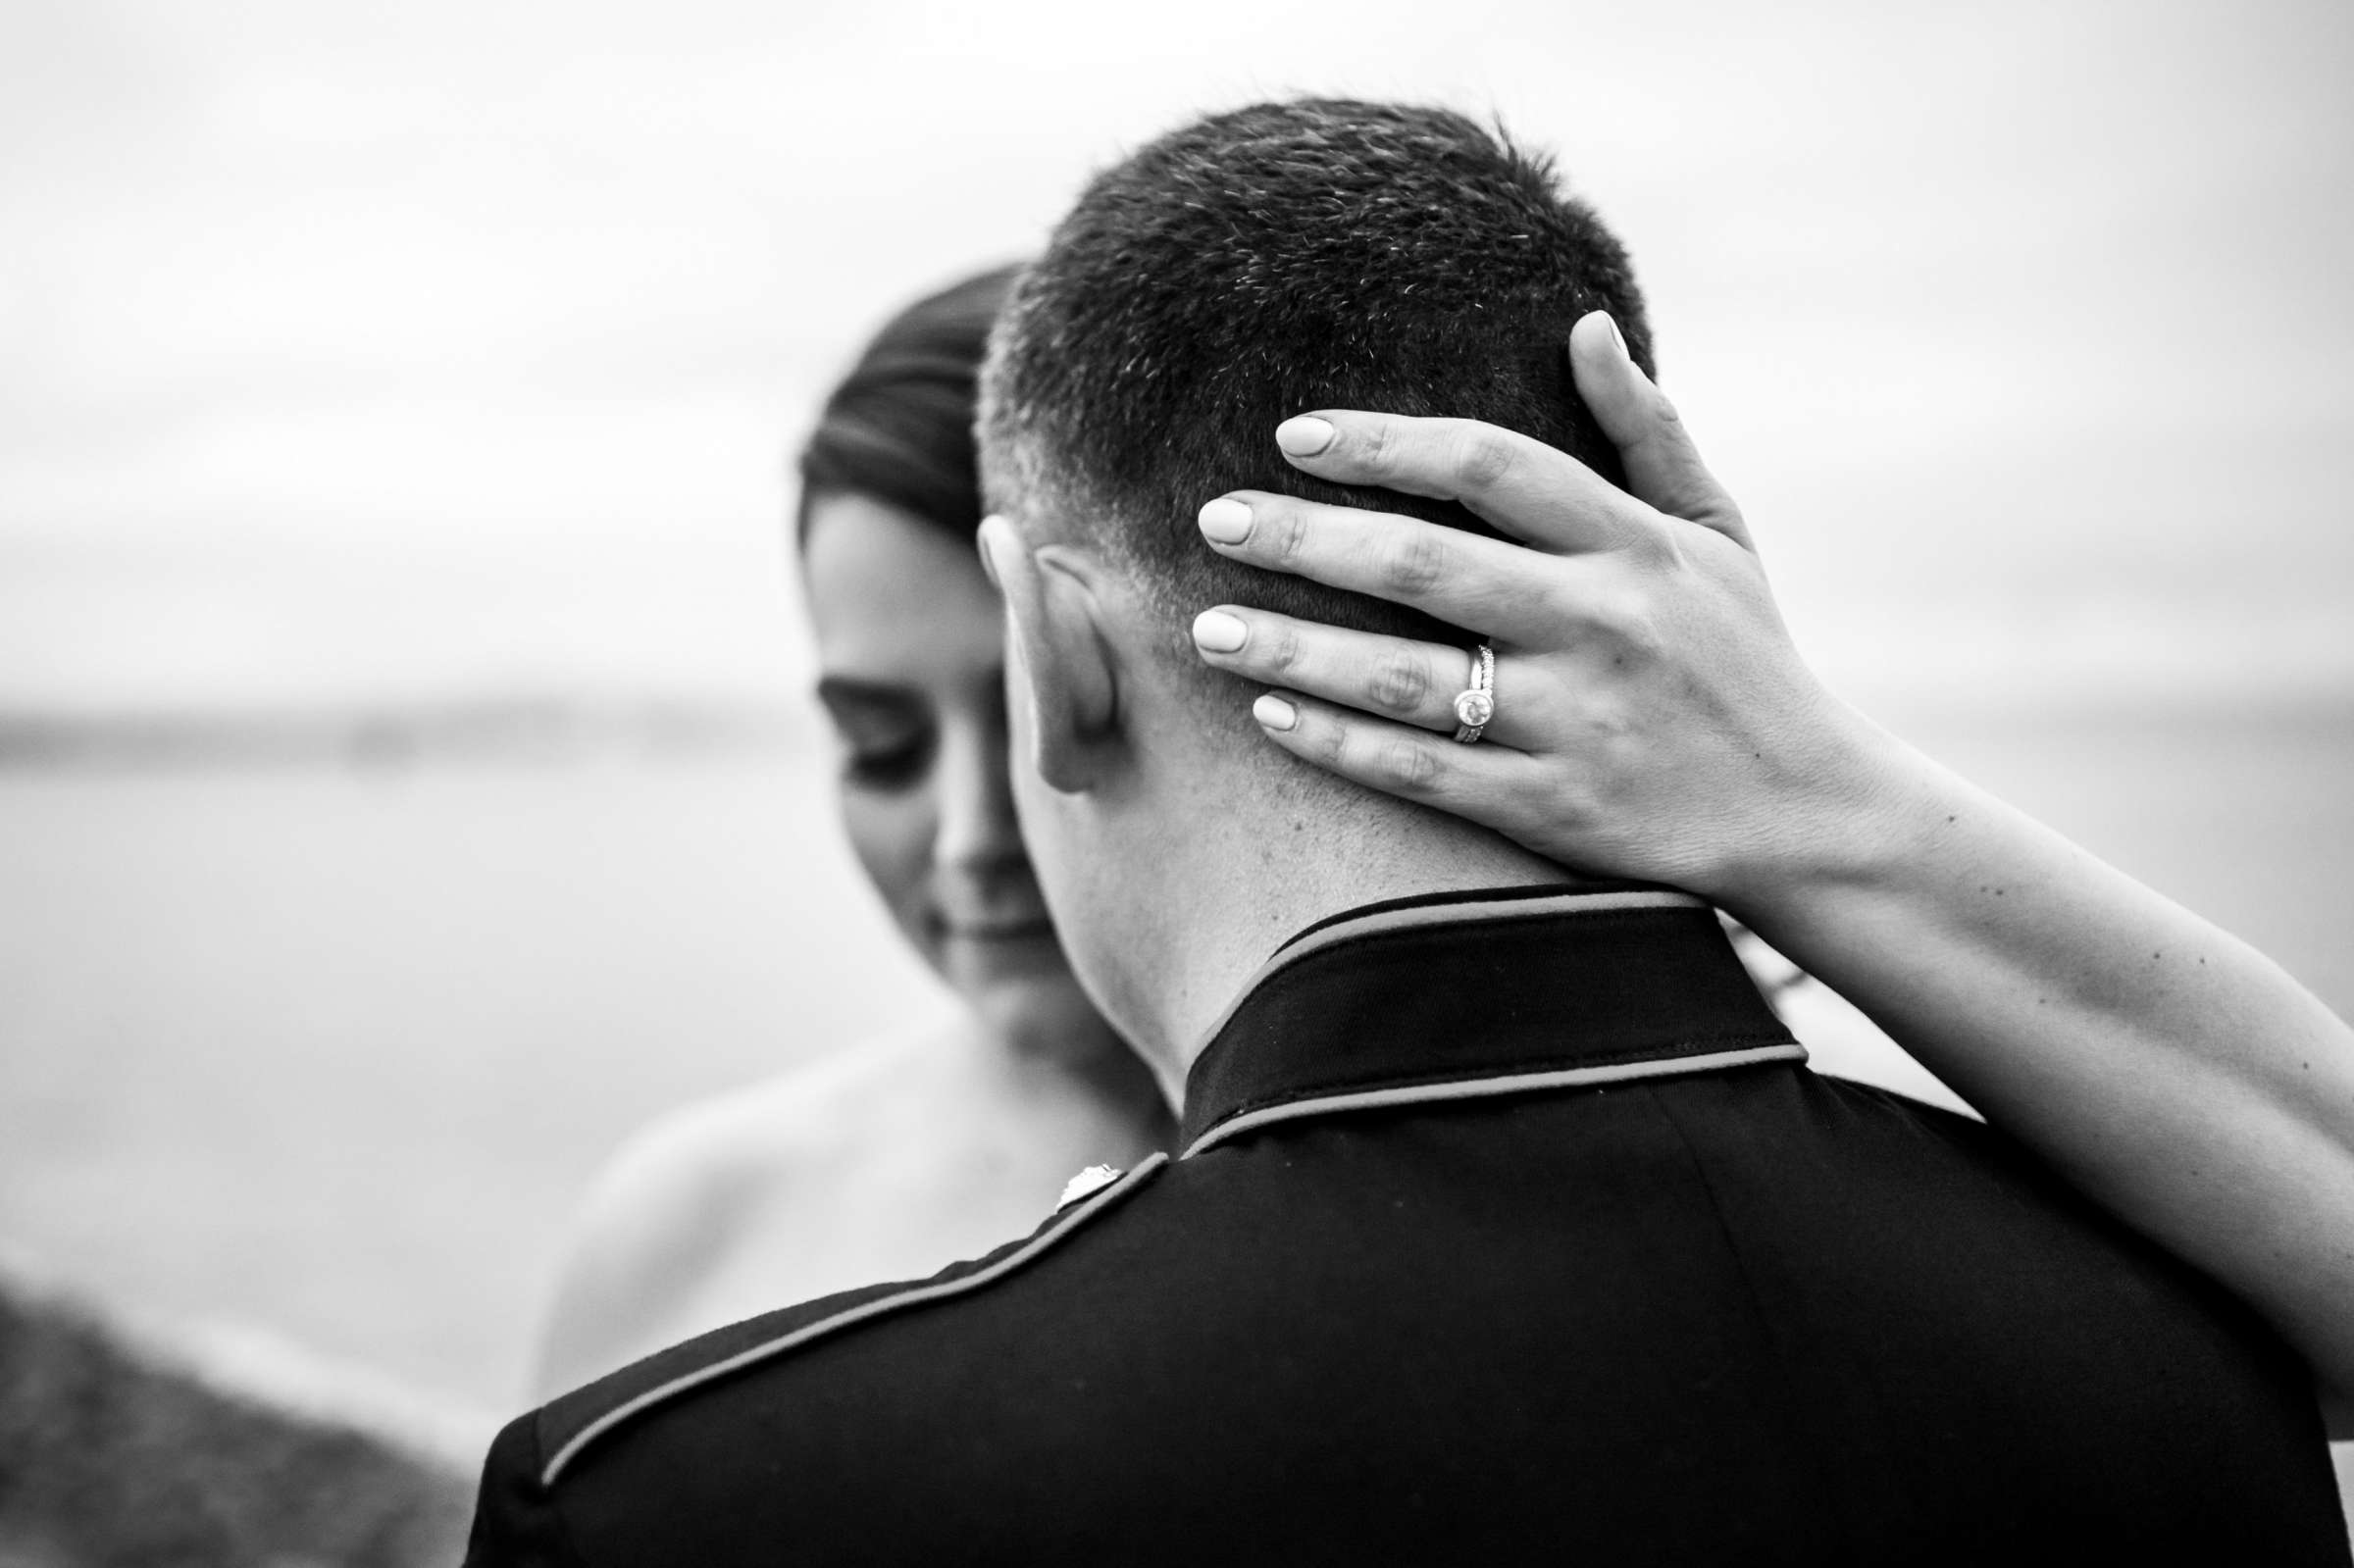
1249, 875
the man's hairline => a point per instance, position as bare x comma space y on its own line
1217, 698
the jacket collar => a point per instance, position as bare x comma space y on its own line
1461, 994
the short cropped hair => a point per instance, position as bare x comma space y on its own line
1317, 253
898, 426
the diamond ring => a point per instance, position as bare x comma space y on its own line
1475, 705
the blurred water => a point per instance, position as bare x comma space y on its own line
335, 1050
330, 1050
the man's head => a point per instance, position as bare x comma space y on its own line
1251, 266
1272, 260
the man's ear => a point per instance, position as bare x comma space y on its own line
1059, 653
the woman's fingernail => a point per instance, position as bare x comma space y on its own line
1227, 522
1615, 335
1274, 713
1216, 631
1304, 436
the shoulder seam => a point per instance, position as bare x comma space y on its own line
1737, 1255
1062, 1225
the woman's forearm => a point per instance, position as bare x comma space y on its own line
2166, 1069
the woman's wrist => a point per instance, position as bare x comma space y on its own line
1863, 809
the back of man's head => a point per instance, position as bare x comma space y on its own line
1262, 263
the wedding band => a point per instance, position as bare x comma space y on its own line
1476, 704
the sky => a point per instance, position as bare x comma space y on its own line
376, 353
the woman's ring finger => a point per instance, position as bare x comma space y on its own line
1395, 678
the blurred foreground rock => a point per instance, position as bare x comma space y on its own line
111, 1457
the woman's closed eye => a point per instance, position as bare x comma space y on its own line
887, 732
889, 767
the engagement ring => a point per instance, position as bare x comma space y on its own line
1476, 705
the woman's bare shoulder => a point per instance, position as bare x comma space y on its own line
692, 1154
672, 1204
820, 1109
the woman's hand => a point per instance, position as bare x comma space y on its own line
1653, 719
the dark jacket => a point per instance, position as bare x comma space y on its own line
1504, 1229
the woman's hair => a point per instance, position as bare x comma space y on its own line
899, 427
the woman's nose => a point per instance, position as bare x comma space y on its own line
977, 824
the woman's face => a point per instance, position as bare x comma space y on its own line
912, 673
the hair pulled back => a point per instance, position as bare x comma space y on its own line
899, 425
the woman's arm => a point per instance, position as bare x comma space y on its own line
1653, 720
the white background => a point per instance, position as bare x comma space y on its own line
397, 351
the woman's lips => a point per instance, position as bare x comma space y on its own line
1024, 929
1031, 930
